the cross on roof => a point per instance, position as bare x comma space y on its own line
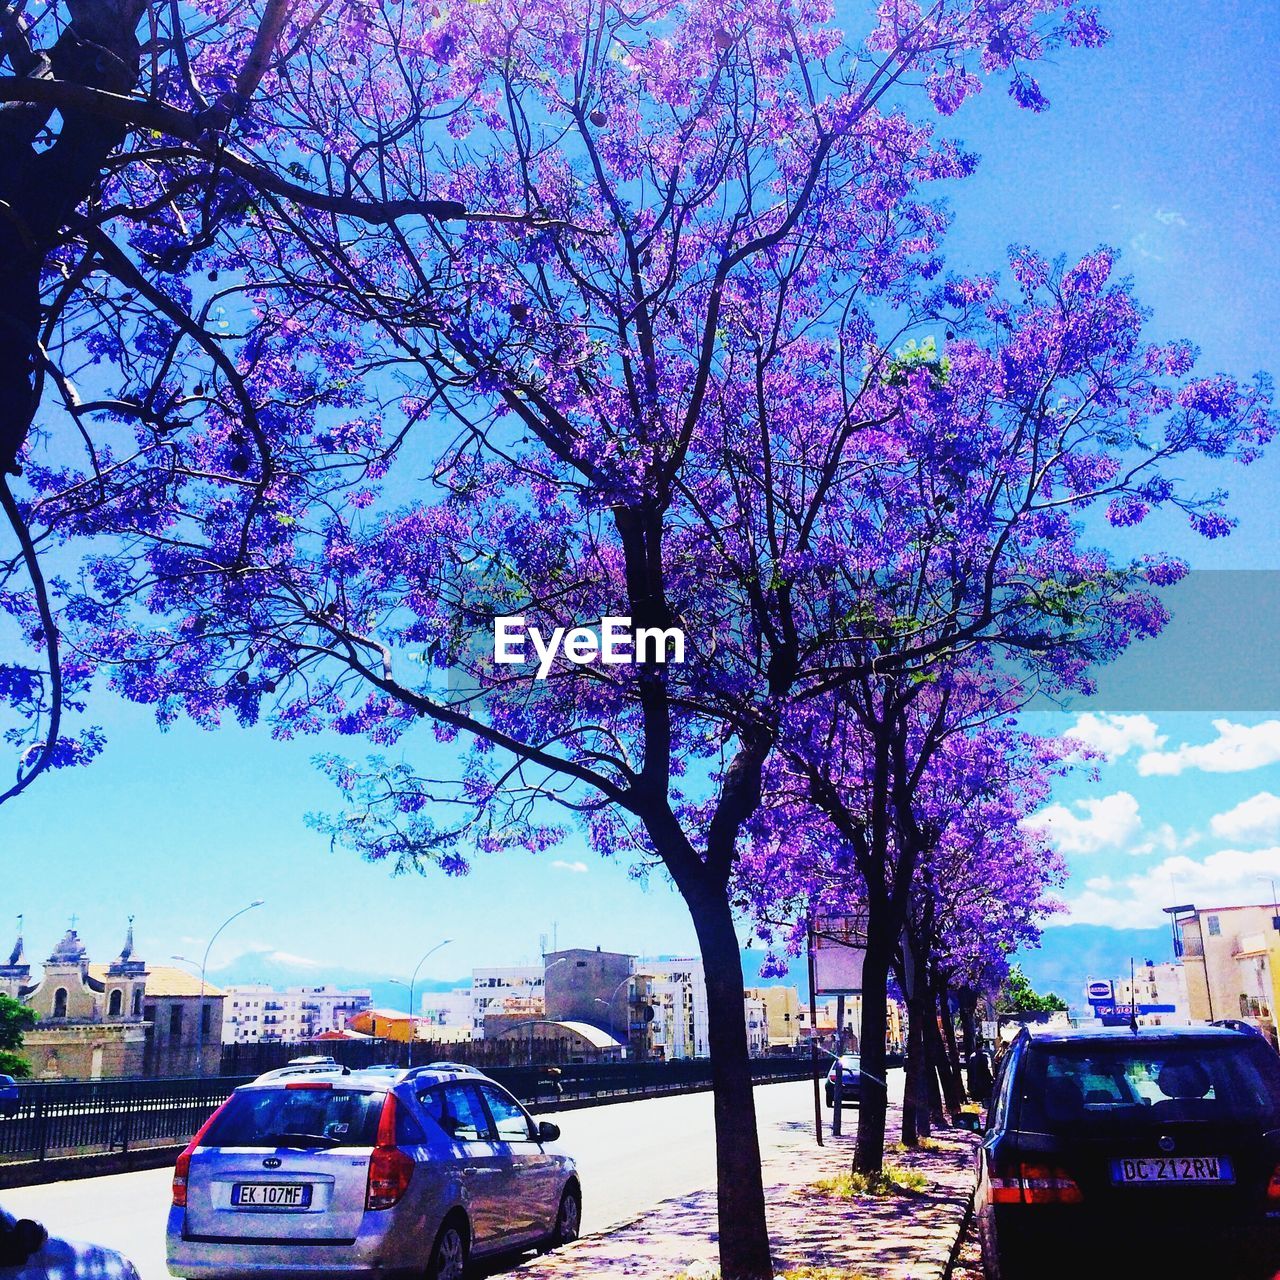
74, 919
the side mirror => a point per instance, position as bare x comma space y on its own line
548, 1132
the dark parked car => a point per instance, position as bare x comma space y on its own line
8, 1096
1120, 1153
850, 1065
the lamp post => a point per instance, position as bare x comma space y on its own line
411, 983
608, 1004
204, 964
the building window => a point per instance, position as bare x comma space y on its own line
1215, 927
137, 1002
206, 1020
60, 1003
175, 1020
115, 1003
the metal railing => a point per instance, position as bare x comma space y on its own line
68, 1118
75, 1117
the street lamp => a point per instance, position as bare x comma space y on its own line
608, 1004
204, 964
412, 981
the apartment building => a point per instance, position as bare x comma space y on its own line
255, 1012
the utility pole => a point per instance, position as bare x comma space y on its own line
838, 1090
813, 1039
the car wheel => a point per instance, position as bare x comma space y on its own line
568, 1218
831, 1098
449, 1253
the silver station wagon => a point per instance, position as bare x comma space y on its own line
387, 1172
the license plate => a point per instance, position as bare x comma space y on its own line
1149, 1170
271, 1195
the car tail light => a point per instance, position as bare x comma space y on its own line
183, 1166
389, 1168
1273, 1187
1032, 1183
1004, 1186
1049, 1184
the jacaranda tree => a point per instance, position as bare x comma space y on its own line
661, 370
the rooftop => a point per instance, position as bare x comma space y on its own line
1061, 1033
166, 980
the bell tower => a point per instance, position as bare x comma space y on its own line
15, 976
125, 983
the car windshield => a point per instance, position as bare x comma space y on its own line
286, 1117
1156, 1081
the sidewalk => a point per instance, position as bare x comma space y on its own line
910, 1235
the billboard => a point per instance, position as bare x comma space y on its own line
839, 946
1099, 991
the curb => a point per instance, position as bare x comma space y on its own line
34, 1173
965, 1219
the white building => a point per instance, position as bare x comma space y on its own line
1160, 988
254, 1012
523, 985
757, 1025
449, 1011
679, 997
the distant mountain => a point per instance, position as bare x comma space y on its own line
280, 972
1070, 954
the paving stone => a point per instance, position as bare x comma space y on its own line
907, 1236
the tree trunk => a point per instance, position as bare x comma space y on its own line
744, 1232
952, 1077
967, 1000
915, 1097
874, 1099
40, 187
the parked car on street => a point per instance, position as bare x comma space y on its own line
1132, 1154
9, 1096
850, 1065
28, 1252
413, 1172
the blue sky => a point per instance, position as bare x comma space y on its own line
1157, 146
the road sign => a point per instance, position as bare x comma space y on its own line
839, 947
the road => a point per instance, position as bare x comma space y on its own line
631, 1155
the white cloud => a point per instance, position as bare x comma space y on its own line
1237, 748
1109, 823
1116, 735
578, 868
1170, 218
1141, 245
1229, 877
1255, 820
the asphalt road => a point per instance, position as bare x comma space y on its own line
631, 1155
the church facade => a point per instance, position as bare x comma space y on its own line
126, 1018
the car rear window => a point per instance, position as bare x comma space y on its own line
289, 1117
1158, 1081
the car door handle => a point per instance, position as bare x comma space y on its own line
476, 1173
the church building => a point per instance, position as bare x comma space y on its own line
126, 1018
